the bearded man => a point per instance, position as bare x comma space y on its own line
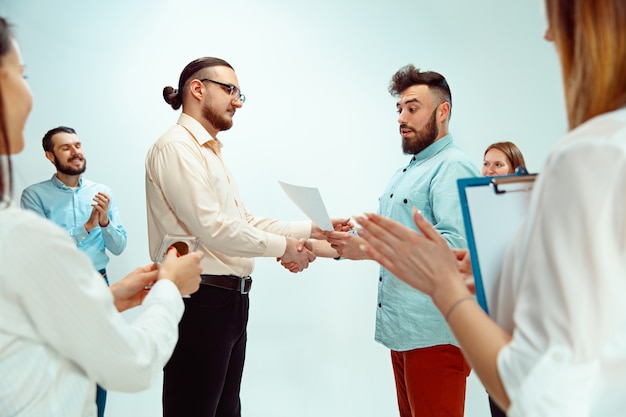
85, 209
429, 369
190, 191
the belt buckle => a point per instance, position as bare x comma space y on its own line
242, 290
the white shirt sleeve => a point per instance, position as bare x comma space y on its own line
60, 301
569, 281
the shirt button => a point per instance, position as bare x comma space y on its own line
380, 279
380, 305
406, 201
404, 170
390, 195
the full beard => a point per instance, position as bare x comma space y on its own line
218, 121
70, 170
423, 138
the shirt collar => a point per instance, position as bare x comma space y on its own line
198, 131
434, 148
59, 184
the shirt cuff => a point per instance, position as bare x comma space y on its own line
165, 292
301, 230
549, 384
276, 245
79, 233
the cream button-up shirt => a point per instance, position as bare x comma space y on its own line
190, 191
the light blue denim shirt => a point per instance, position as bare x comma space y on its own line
407, 319
71, 208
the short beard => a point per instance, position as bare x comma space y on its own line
423, 139
217, 121
68, 170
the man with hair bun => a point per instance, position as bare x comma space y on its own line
190, 191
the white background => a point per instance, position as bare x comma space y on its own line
318, 114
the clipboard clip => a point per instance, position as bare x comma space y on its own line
520, 181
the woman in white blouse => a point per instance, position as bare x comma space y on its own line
60, 327
556, 345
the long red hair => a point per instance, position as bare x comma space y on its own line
590, 37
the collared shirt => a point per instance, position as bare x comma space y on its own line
190, 191
407, 319
60, 333
71, 208
563, 282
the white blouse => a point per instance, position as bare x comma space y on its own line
563, 287
59, 330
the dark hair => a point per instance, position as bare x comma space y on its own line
174, 97
589, 36
511, 151
46, 142
6, 178
409, 76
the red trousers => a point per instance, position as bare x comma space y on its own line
430, 382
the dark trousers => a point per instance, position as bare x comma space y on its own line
203, 376
101, 400
101, 394
495, 410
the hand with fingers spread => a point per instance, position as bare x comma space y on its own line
424, 261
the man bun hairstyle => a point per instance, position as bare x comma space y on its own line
173, 96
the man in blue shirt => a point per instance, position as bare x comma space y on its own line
429, 368
85, 209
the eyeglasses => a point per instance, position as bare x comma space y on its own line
233, 90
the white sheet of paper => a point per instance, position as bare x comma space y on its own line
309, 200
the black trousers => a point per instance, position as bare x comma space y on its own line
203, 376
495, 410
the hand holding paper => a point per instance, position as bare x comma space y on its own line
347, 244
309, 200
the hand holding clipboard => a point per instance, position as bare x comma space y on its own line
494, 209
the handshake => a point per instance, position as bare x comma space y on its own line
342, 241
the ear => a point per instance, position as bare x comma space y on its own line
444, 111
197, 89
50, 156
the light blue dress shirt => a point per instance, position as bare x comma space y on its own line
71, 208
407, 319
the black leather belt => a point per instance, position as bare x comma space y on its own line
228, 282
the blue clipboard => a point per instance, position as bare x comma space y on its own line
494, 209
